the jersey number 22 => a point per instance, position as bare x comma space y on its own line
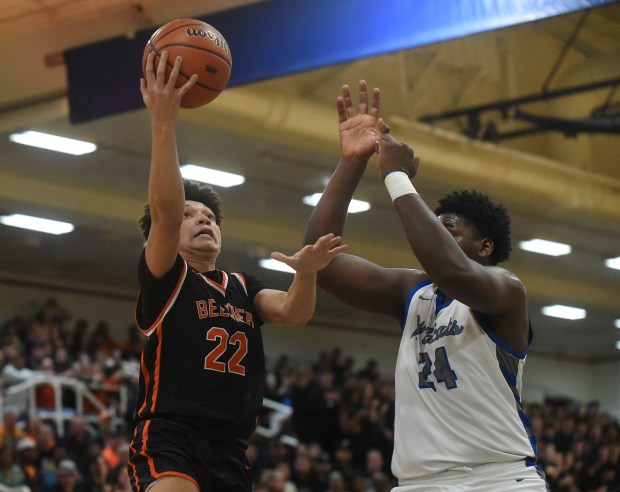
233, 365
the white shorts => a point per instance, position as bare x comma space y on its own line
494, 477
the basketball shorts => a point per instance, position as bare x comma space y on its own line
493, 477
211, 460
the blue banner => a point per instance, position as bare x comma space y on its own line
281, 37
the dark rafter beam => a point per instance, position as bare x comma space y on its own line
506, 104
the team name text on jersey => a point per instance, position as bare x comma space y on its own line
434, 333
210, 309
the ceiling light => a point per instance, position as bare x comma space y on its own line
613, 263
278, 266
211, 176
618, 344
53, 142
36, 224
617, 323
545, 247
565, 312
355, 206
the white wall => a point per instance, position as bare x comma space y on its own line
553, 377
305, 344
607, 386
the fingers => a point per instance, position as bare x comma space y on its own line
279, 256
161, 68
348, 102
323, 239
346, 108
363, 91
338, 249
383, 126
342, 113
328, 242
331, 245
384, 135
174, 74
376, 103
326, 246
148, 70
188, 85
157, 77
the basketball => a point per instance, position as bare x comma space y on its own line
204, 51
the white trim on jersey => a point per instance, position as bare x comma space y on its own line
241, 281
170, 302
221, 288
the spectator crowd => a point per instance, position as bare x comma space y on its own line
339, 437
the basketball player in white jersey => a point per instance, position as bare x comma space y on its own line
459, 422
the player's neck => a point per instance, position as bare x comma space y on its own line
201, 264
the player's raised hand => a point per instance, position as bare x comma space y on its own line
159, 94
357, 127
313, 257
393, 154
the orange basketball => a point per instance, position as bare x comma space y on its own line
204, 52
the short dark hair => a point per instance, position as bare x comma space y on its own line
194, 191
489, 219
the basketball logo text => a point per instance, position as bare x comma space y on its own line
218, 41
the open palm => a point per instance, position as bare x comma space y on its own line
358, 131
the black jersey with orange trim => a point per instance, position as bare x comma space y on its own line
204, 360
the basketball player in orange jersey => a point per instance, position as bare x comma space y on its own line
203, 366
459, 422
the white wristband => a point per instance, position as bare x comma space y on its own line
398, 184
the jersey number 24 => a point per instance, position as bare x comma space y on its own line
443, 373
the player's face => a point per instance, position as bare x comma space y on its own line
199, 231
463, 234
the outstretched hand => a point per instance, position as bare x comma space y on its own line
394, 155
160, 96
358, 127
313, 257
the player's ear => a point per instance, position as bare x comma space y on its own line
486, 247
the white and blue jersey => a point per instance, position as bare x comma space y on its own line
458, 391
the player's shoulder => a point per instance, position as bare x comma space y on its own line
249, 282
412, 278
507, 276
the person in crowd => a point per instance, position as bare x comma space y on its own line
69, 479
10, 433
11, 475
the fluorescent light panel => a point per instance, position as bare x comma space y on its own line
36, 224
53, 142
564, 312
544, 247
355, 206
211, 176
617, 323
613, 263
271, 264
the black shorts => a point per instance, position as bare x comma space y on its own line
212, 460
